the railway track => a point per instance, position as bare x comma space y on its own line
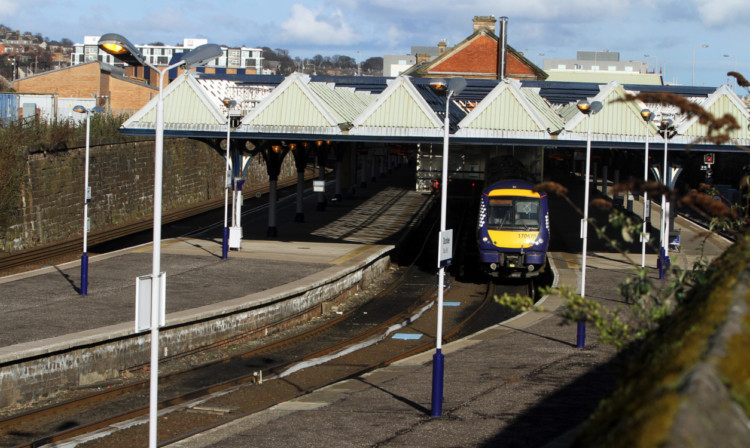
71, 248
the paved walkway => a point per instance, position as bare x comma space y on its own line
43, 308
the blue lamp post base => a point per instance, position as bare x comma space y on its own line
581, 335
438, 366
84, 274
225, 244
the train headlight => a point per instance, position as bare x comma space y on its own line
485, 239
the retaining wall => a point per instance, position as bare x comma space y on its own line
35, 370
121, 178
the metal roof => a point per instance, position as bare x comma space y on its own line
406, 109
510, 110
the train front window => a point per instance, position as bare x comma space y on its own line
519, 213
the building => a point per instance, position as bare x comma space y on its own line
105, 84
483, 55
395, 64
601, 67
247, 60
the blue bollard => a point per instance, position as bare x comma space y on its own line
225, 244
438, 364
84, 274
581, 335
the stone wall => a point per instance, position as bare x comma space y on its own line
688, 383
122, 183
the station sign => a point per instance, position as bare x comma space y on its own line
445, 256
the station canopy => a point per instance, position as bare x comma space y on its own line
300, 107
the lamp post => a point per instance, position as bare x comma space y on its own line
647, 116
229, 103
86, 198
734, 83
450, 89
666, 126
588, 110
692, 83
656, 61
121, 48
539, 54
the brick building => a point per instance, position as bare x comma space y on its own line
108, 84
477, 56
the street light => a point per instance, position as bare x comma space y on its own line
647, 117
86, 198
454, 87
588, 110
656, 61
734, 83
692, 83
121, 48
229, 103
666, 126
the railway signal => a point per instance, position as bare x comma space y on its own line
708, 158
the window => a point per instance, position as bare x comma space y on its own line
561, 66
628, 69
595, 68
612, 68
513, 213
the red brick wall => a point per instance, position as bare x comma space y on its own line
87, 81
480, 56
80, 81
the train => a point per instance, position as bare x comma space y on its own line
513, 229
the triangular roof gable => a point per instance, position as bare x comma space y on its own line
617, 116
292, 103
722, 101
185, 103
483, 59
508, 109
483, 48
399, 106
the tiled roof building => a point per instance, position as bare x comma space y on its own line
479, 56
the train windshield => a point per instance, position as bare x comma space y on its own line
513, 213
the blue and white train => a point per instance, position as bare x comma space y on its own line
513, 229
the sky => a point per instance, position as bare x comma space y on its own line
671, 32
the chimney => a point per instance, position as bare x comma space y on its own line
502, 44
442, 46
484, 22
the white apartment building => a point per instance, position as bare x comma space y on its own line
161, 55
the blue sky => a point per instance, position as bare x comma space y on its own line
669, 31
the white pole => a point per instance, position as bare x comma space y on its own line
584, 232
86, 188
225, 235
156, 261
646, 207
664, 220
443, 219
85, 256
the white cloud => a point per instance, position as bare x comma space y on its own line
716, 13
8, 8
311, 27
